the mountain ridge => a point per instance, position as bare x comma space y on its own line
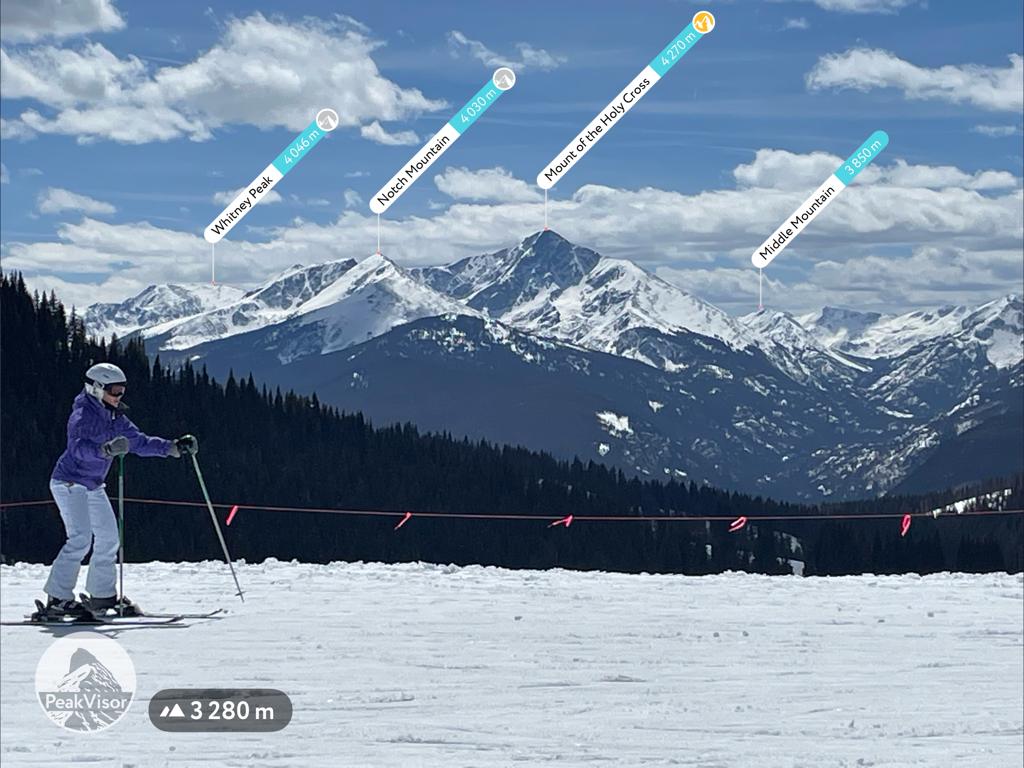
822, 420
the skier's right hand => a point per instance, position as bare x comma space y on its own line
116, 447
186, 445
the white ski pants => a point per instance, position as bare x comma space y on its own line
89, 521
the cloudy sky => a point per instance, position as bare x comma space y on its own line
127, 126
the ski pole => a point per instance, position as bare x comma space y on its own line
216, 526
120, 532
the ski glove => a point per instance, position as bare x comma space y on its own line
186, 444
116, 447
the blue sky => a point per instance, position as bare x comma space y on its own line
97, 202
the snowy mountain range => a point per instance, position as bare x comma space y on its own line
155, 305
550, 345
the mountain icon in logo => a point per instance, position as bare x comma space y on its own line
85, 682
88, 675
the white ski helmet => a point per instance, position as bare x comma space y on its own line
100, 376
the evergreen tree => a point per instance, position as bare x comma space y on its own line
281, 449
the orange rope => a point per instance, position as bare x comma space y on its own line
590, 518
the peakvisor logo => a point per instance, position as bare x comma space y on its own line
85, 682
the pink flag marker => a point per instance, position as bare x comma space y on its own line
736, 524
404, 520
566, 521
231, 514
905, 525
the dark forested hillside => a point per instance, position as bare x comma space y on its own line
273, 448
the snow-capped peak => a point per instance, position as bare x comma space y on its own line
792, 348
999, 327
298, 284
618, 296
996, 325
156, 304
379, 273
372, 298
544, 262
278, 299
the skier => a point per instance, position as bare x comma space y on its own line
98, 430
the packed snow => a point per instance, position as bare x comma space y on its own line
428, 665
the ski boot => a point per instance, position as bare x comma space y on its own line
110, 606
57, 610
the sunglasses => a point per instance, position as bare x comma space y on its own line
115, 392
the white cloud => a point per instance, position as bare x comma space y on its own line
779, 169
5, 177
863, 6
62, 77
873, 247
528, 56
263, 72
930, 276
487, 184
15, 129
996, 131
225, 197
377, 133
125, 124
798, 23
862, 69
352, 198
114, 288
31, 20
356, 174
902, 174
56, 200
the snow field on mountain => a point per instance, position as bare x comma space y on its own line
429, 665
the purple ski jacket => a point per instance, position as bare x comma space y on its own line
91, 425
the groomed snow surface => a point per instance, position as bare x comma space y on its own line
423, 665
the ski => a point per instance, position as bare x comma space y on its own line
95, 619
96, 622
220, 613
136, 612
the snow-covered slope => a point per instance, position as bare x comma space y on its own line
347, 304
543, 263
796, 351
278, 299
438, 665
998, 326
156, 305
834, 326
616, 296
371, 299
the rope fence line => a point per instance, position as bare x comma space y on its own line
736, 523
